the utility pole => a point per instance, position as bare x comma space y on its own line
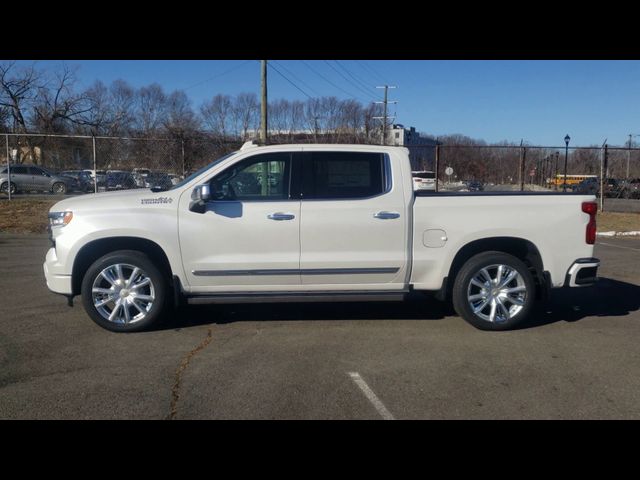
263, 106
315, 129
385, 116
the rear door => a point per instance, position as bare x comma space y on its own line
39, 179
353, 229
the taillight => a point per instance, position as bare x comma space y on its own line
591, 208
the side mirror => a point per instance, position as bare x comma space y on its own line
199, 198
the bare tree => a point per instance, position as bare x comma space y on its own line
5, 116
122, 98
180, 120
245, 114
216, 114
278, 117
150, 109
312, 116
57, 105
18, 90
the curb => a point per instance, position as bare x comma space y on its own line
618, 234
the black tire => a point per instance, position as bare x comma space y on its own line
463, 287
3, 188
59, 188
158, 281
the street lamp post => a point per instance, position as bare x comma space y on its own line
567, 138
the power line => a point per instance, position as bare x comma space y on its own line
304, 84
370, 70
352, 83
219, 75
283, 76
330, 82
366, 87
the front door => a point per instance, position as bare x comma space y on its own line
22, 178
249, 236
354, 225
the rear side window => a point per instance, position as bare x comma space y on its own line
19, 171
342, 175
38, 171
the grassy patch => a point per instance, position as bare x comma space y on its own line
618, 222
25, 215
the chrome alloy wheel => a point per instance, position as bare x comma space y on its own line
496, 293
123, 293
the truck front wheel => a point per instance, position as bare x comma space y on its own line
494, 291
124, 291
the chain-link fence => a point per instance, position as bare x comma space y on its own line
79, 164
57, 163
615, 171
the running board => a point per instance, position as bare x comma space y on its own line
298, 297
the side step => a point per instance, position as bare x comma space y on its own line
297, 297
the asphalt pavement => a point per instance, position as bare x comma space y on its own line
577, 359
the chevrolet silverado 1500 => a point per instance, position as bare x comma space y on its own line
316, 223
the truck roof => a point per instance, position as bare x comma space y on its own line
322, 146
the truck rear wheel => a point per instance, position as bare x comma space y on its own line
494, 291
124, 291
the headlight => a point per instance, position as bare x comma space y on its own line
60, 219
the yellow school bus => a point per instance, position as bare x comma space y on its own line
571, 179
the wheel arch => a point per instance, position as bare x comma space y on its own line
95, 249
520, 248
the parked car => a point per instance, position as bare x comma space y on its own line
630, 188
474, 186
158, 180
99, 175
613, 188
175, 179
84, 182
424, 180
28, 178
141, 171
120, 180
342, 223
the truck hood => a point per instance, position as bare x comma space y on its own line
115, 200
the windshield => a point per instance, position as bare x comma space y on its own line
201, 171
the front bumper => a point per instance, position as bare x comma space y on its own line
583, 273
55, 282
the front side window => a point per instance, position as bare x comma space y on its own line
258, 178
19, 171
341, 175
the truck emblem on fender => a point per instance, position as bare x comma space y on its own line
147, 201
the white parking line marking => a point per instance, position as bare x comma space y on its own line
618, 246
382, 410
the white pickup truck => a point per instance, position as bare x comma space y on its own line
316, 223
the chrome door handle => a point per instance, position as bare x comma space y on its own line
386, 215
281, 216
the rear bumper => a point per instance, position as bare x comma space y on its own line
582, 273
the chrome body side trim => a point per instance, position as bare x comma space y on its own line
308, 271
